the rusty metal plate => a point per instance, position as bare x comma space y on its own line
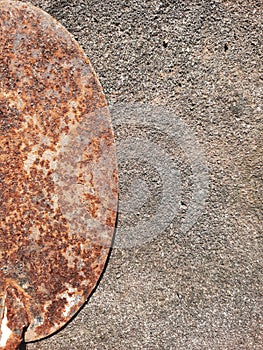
58, 175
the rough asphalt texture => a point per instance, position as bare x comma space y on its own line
203, 61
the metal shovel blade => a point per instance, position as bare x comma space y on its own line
58, 175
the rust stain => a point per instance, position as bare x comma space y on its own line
58, 175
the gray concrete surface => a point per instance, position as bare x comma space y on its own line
202, 62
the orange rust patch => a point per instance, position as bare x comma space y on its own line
58, 174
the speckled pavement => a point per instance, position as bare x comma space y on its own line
201, 63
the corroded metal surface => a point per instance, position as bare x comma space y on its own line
58, 177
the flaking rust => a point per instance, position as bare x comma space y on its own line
58, 175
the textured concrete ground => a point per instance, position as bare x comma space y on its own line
201, 61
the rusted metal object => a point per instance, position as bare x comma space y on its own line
58, 175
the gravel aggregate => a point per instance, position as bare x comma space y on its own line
198, 62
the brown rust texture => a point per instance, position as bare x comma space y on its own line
58, 175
